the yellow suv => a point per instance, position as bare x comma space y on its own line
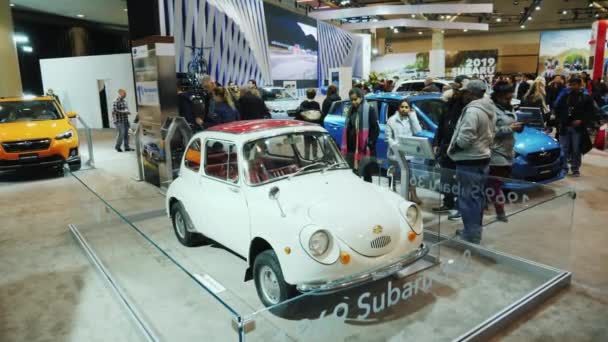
36, 132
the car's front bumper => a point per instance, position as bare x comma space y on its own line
378, 272
39, 162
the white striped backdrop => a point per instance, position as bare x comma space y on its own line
234, 35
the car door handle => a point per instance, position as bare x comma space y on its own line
233, 189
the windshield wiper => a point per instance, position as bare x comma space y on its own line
331, 166
319, 163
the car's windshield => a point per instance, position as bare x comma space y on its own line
35, 110
276, 94
280, 156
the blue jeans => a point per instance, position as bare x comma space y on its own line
122, 128
471, 198
570, 139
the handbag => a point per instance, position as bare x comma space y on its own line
311, 115
600, 138
586, 144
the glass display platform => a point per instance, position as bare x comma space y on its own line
460, 291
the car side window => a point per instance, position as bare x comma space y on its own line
339, 108
192, 159
434, 108
416, 86
404, 87
221, 160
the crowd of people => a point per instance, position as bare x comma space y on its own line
474, 142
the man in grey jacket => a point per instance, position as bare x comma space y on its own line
470, 151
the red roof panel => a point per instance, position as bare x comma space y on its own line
248, 126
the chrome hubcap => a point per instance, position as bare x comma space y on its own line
270, 285
180, 225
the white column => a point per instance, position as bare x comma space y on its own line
437, 55
10, 80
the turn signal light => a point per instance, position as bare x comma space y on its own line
287, 250
344, 258
411, 236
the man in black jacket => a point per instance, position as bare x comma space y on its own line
521, 86
332, 96
573, 112
445, 130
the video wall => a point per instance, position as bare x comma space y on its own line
293, 44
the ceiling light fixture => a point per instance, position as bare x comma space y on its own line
375, 51
125, 9
537, 8
597, 15
420, 32
523, 26
413, 16
529, 18
442, 17
498, 20
564, 12
27, 49
466, 30
12, 5
448, 16
20, 38
396, 30
80, 15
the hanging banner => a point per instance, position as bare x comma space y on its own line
564, 52
479, 63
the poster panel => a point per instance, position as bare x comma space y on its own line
564, 52
404, 65
480, 63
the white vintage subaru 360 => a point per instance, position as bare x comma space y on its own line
279, 193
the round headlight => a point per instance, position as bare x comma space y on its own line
412, 214
318, 243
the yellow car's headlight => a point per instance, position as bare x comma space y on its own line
318, 243
65, 135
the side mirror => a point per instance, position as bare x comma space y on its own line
72, 115
274, 193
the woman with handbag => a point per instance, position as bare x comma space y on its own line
310, 110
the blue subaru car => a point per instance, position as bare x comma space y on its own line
538, 157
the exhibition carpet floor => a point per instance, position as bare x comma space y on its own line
49, 291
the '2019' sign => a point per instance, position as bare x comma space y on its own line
477, 66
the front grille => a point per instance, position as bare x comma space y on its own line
26, 145
543, 157
543, 177
381, 242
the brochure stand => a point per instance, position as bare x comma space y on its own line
410, 147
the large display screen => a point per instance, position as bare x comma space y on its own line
293, 43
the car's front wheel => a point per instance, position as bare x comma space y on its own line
269, 282
183, 227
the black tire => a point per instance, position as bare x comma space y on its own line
75, 166
182, 226
267, 262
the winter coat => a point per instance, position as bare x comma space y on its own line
397, 127
308, 105
504, 138
328, 102
474, 132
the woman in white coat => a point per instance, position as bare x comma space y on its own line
404, 123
